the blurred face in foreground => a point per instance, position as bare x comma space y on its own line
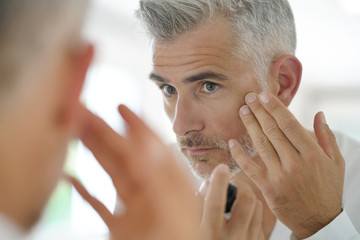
39, 116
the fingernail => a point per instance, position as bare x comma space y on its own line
232, 143
250, 98
264, 98
245, 110
223, 169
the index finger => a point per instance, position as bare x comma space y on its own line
110, 149
137, 128
99, 137
215, 200
289, 125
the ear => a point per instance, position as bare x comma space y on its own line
287, 71
70, 114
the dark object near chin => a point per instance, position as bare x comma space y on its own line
231, 196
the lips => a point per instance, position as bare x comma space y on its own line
197, 151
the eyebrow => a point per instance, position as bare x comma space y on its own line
157, 78
197, 77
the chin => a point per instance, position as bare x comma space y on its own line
203, 170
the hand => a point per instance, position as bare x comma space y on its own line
159, 200
300, 176
246, 215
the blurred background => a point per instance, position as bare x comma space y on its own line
328, 47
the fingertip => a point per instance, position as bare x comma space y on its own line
321, 126
236, 149
123, 109
244, 110
223, 169
220, 170
322, 117
67, 177
232, 143
264, 97
129, 116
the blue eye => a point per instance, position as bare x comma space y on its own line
168, 90
209, 87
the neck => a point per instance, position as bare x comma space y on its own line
17, 211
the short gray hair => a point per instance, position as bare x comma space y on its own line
28, 27
264, 29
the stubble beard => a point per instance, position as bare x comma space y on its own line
201, 141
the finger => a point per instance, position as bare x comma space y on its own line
151, 150
98, 135
147, 144
261, 142
201, 193
113, 153
134, 122
158, 161
252, 170
215, 200
326, 138
165, 183
98, 206
107, 146
243, 211
203, 188
271, 129
256, 228
169, 192
293, 130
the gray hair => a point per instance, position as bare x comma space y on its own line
30, 27
264, 29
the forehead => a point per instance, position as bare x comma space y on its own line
211, 43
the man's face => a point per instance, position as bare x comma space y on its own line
204, 85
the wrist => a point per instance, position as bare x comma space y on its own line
314, 224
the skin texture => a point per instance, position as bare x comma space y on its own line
195, 112
205, 111
203, 108
302, 176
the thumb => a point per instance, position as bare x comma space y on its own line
326, 137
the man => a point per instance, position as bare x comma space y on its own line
212, 59
43, 63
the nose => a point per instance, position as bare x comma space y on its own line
187, 118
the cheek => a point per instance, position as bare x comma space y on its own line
225, 120
230, 124
169, 109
